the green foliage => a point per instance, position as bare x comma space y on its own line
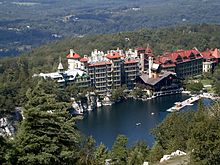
138, 153
137, 92
118, 93
173, 133
205, 141
100, 154
156, 152
194, 132
216, 76
3, 149
86, 156
47, 135
119, 152
101, 17
194, 86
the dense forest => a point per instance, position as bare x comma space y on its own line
48, 134
25, 25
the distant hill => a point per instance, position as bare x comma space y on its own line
25, 25
45, 58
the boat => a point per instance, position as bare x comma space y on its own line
98, 103
137, 124
106, 101
89, 108
152, 113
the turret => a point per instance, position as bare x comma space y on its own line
60, 66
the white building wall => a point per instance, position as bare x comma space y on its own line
73, 64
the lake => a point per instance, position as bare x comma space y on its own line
105, 123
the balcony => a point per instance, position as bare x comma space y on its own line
100, 85
131, 70
100, 71
100, 81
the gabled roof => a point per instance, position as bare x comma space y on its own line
207, 55
184, 54
179, 56
153, 81
216, 53
84, 59
74, 56
113, 55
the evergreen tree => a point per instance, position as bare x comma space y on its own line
119, 153
87, 152
173, 133
138, 153
156, 152
48, 134
3, 149
204, 142
100, 154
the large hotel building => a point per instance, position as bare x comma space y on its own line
110, 70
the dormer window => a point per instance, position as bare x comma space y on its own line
168, 62
192, 56
185, 58
179, 58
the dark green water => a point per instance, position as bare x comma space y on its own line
105, 123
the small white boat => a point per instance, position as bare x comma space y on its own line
137, 124
152, 113
89, 108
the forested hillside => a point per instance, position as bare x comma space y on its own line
160, 40
25, 25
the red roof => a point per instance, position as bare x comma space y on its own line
100, 64
84, 59
207, 55
130, 62
216, 53
168, 65
145, 50
184, 54
148, 50
75, 56
113, 55
163, 59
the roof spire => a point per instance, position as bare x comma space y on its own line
60, 66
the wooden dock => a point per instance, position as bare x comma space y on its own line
179, 105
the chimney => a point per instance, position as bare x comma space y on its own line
150, 59
71, 52
142, 62
121, 52
136, 53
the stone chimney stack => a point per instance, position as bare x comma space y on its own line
71, 52
150, 59
142, 62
